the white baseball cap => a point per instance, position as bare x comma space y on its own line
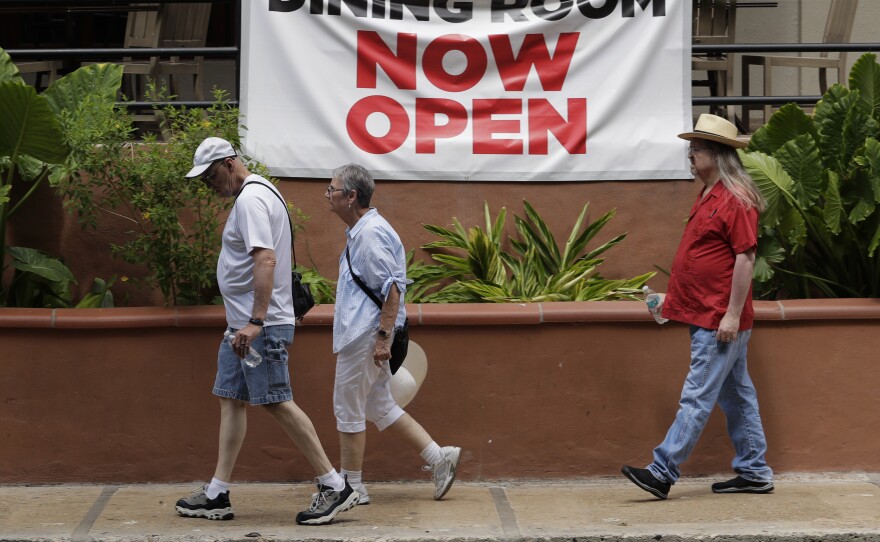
209, 151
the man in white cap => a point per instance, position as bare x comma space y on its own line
254, 275
710, 289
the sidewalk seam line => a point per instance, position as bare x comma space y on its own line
81, 533
505, 513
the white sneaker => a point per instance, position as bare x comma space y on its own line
362, 491
443, 472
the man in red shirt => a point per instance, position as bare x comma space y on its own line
710, 288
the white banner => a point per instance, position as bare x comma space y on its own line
497, 90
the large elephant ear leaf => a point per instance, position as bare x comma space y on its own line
833, 211
8, 69
840, 120
773, 181
28, 126
33, 261
769, 252
789, 123
875, 239
793, 228
861, 193
869, 159
865, 77
96, 83
800, 158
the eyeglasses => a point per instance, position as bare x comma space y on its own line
330, 190
692, 150
208, 178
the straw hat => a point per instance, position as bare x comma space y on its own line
715, 128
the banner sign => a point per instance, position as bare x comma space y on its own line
489, 90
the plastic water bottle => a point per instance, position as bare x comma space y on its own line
253, 357
652, 300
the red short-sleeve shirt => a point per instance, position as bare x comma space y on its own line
720, 227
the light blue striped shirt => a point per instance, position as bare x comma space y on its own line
378, 258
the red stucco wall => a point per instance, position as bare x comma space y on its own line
529, 391
652, 213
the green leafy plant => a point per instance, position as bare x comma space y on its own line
35, 142
38, 281
174, 222
820, 176
174, 230
42, 281
323, 289
426, 279
99, 297
537, 270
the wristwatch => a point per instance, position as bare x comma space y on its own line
384, 334
256, 322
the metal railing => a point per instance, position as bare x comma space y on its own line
235, 52
119, 53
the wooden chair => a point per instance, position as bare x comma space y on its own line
141, 31
715, 24
184, 25
164, 25
838, 29
49, 68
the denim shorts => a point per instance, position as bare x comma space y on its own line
268, 382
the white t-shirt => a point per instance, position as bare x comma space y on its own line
257, 220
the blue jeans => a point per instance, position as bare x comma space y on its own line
268, 382
719, 374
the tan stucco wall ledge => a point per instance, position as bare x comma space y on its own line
431, 314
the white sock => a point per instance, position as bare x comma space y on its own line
432, 454
216, 487
332, 479
353, 476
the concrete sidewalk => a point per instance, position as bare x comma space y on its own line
803, 507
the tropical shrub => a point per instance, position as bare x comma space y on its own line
36, 146
41, 281
323, 289
174, 222
820, 175
537, 269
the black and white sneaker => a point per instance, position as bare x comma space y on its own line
326, 503
200, 506
361, 489
647, 481
741, 485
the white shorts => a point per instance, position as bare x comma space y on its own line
362, 390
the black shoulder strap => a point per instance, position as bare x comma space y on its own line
360, 283
289, 221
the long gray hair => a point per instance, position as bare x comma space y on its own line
734, 176
357, 178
